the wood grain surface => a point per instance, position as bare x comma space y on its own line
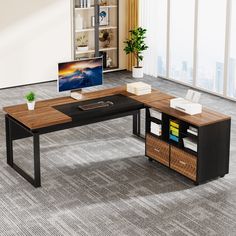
207, 116
45, 115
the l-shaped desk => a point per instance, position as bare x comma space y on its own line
210, 161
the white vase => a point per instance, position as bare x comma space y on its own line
82, 48
137, 72
79, 22
31, 105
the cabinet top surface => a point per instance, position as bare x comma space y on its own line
45, 115
207, 116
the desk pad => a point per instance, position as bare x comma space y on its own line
121, 103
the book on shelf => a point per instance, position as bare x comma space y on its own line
88, 3
84, 3
192, 130
174, 138
174, 131
156, 129
155, 114
190, 143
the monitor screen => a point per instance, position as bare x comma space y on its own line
80, 74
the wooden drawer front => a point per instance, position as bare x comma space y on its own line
157, 149
183, 163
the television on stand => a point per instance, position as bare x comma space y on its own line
73, 76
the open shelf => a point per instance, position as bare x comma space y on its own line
92, 29
101, 38
93, 51
84, 8
92, 7
165, 123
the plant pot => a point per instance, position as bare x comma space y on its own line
82, 48
31, 105
137, 72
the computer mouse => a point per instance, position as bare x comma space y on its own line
110, 103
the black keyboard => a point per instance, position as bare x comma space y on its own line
96, 105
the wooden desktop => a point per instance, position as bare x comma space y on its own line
211, 160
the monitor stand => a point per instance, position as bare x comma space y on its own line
76, 94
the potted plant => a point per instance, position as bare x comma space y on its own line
136, 45
30, 97
82, 43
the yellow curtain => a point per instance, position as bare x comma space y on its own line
132, 23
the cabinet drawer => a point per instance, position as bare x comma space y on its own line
183, 162
157, 149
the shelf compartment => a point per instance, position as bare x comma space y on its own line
84, 25
174, 131
156, 129
157, 149
92, 29
93, 51
183, 162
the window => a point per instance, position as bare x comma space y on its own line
182, 40
211, 45
231, 85
154, 19
194, 40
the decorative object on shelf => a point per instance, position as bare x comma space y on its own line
136, 45
82, 43
103, 17
79, 22
109, 62
30, 97
105, 36
103, 3
104, 57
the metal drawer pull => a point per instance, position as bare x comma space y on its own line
183, 163
157, 150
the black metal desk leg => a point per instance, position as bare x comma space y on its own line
9, 142
37, 172
137, 124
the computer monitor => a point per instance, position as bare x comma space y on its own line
76, 75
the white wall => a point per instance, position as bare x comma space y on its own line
34, 36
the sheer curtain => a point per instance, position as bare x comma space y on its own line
153, 17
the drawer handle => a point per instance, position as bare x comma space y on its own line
183, 163
157, 150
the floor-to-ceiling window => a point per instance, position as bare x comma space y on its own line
181, 40
195, 42
155, 65
211, 45
231, 85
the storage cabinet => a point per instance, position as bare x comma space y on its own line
96, 31
198, 151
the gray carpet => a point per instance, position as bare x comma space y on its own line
96, 180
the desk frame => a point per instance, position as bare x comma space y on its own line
16, 130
